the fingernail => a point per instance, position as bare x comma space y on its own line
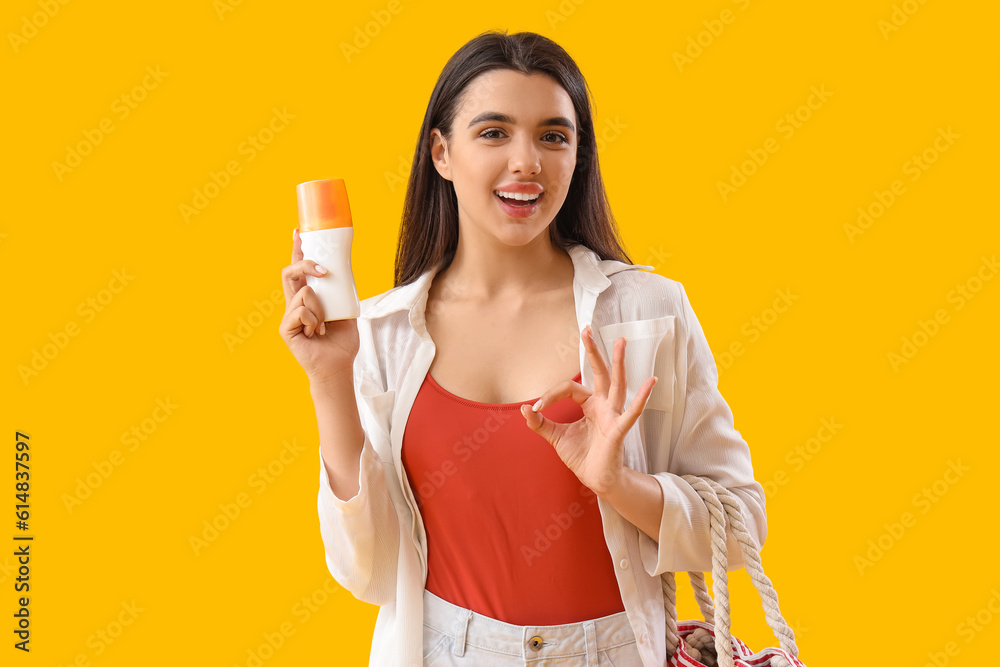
320, 269
538, 404
322, 328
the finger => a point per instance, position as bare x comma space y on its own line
566, 389
629, 417
616, 395
293, 276
296, 246
306, 296
601, 379
542, 425
299, 320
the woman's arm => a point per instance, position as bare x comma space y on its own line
638, 497
357, 518
341, 436
701, 440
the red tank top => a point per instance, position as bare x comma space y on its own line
511, 532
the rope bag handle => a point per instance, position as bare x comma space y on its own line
722, 504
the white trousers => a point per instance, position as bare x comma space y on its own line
454, 635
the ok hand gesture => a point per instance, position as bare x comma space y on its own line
593, 446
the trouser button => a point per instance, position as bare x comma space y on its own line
535, 643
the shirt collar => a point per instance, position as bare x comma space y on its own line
588, 270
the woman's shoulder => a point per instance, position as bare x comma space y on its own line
394, 299
645, 294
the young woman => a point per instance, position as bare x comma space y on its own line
491, 528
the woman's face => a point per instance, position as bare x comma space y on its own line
514, 133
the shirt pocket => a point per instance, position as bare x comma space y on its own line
649, 351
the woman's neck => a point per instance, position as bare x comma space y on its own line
496, 271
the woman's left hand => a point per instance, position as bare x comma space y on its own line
593, 446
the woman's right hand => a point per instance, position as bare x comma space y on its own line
325, 350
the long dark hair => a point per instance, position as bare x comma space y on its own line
429, 229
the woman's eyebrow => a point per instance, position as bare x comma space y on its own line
504, 118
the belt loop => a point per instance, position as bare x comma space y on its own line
461, 629
590, 633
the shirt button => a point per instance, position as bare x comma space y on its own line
535, 643
623, 564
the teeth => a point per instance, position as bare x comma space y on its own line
516, 195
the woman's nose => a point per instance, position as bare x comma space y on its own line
524, 157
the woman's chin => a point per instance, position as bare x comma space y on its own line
520, 234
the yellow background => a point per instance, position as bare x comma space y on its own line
671, 134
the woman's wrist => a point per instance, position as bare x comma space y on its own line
334, 385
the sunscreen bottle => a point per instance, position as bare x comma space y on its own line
326, 231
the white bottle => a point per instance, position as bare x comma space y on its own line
327, 231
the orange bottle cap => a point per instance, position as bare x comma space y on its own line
323, 205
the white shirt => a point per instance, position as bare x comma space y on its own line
375, 543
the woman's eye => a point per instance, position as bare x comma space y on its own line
560, 138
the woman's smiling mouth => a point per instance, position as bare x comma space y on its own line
518, 205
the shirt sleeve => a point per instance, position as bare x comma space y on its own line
361, 534
706, 444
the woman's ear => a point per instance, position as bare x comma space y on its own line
439, 154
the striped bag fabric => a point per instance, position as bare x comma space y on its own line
709, 643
